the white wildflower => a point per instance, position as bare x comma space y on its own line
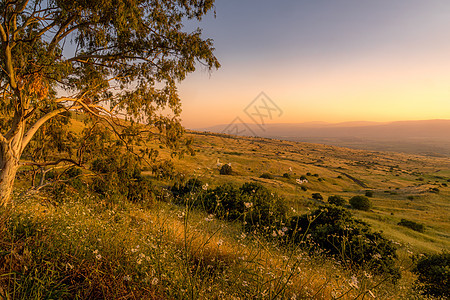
354, 282
155, 281
127, 278
248, 204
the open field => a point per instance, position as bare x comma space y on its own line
79, 245
400, 182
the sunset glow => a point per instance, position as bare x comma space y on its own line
325, 61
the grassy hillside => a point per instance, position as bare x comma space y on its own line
68, 243
400, 182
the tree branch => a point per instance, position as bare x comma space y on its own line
30, 133
51, 163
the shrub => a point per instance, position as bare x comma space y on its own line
336, 200
433, 272
410, 197
120, 178
434, 190
266, 176
412, 225
334, 230
304, 188
73, 172
369, 193
287, 175
226, 170
317, 196
180, 189
303, 177
164, 170
264, 210
360, 202
252, 203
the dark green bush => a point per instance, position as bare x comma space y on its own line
303, 177
181, 189
224, 201
287, 175
226, 170
336, 200
360, 202
262, 207
266, 176
304, 188
164, 170
252, 203
433, 272
434, 190
412, 225
120, 178
369, 193
317, 196
334, 230
73, 172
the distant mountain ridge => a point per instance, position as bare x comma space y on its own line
429, 137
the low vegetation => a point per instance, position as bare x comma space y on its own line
360, 202
412, 225
161, 232
433, 272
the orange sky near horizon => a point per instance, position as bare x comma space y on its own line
400, 72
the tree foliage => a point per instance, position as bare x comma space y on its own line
108, 60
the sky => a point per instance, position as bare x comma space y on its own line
323, 60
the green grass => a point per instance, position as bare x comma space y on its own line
82, 246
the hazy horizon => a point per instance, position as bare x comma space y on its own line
335, 61
322, 122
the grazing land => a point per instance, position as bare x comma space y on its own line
70, 242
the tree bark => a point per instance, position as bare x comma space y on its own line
8, 169
10, 152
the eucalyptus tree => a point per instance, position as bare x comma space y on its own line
107, 59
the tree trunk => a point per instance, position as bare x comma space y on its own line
10, 152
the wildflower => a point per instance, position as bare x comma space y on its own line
127, 278
284, 229
377, 256
290, 169
205, 186
248, 204
95, 252
219, 243
209, 218
98, 256
274, 233
69, 266
243, 235
354, 282
155, 281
